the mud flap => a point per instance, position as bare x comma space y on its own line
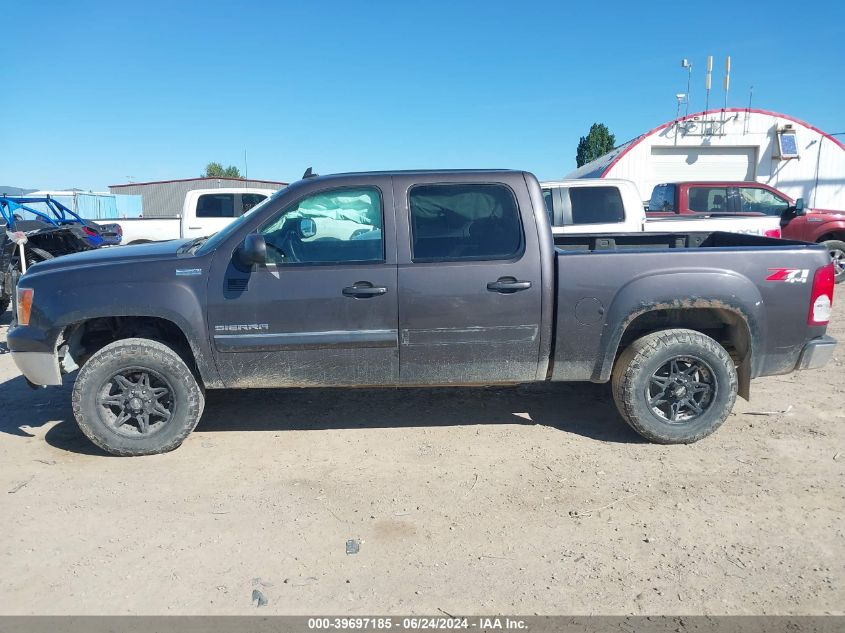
743, 375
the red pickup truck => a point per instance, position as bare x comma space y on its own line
707, 199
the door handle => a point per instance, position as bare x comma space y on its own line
508, 285
363, 290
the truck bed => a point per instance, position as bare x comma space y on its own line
659, 241
663, 272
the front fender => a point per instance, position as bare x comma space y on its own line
56, 308
820, 230
682, 289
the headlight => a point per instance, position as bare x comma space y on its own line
24, 304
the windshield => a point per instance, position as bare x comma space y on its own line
221, 235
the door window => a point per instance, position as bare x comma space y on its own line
596, 205
249, 200
708, 199
453, 222
226, 205
216, 205
763, 201
329, 227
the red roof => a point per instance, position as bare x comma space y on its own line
162, 182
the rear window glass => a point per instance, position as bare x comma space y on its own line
596, 205
662, 199
464, 221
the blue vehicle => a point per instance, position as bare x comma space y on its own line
53, 213
54, 232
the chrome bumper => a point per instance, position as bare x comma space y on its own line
817, 353
40, 368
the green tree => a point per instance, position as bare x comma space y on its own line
598, 142
216, 170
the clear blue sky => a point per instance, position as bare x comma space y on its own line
93, 92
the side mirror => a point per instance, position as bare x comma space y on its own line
253, 250
306, 228
799, 206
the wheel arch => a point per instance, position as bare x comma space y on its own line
838, 235
84, 337
715, 310
830, 228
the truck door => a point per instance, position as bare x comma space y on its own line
323, 311
469, 281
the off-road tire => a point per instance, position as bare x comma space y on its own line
5, 300
837, 251
144, 354
635, 367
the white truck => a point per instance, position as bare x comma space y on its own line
205, 211
614, 205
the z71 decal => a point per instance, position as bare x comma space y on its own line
789, 275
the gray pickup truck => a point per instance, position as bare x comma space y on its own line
418, 278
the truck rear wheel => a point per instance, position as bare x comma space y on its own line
137, 396
674, 386
837, 253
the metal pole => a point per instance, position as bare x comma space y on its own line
689, 83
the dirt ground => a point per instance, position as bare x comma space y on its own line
517, 500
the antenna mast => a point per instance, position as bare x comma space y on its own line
685, 64
707, 82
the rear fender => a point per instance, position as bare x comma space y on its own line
683, 290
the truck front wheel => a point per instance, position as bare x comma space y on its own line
674, 386
137, 397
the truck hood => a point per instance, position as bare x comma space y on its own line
114, 255
824, 212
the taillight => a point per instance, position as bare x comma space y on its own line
822, 296
89, 231
773, 233
24, 303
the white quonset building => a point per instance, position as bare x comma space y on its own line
728, 145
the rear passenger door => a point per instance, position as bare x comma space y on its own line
469, 281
